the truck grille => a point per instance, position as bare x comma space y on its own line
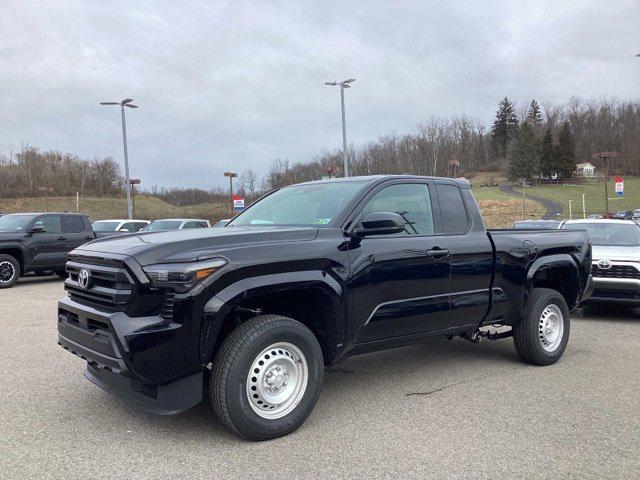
109, 285
616, 271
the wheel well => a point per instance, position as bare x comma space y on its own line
15, 253
314, 307
562, 278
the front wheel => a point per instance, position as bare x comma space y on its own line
9, 271
266, 377
542, 335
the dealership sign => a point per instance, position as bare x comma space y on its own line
619, 186
238, 203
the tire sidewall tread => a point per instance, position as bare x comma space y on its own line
525, 335
227, 388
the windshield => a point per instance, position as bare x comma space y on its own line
301, 205
15, 221
105, 226
610, 234
159, 225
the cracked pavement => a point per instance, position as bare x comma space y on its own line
439, 409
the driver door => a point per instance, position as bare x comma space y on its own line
399, 283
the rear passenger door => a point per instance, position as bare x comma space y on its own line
74, 231
471, 254
399, 283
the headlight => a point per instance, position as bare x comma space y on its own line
184, 275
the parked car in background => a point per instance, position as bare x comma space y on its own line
536, 224
623, 215
176, 224
221, 223
39, 243
313, 273
616, 259
636, 214
108, 228
595, 215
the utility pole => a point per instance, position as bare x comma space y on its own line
344, 84
584, 210
125, 103
133, 182
231, 176
605, 156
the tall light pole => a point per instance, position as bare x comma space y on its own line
125, 103
344, 84
231, 176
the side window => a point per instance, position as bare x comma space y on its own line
411, 201
72, 224
51, 223
139, 226
127, 227
454, 214
189, 225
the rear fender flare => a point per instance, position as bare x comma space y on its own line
563, 260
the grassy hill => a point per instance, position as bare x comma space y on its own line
148, 208
594, 196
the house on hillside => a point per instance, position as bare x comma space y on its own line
585, 170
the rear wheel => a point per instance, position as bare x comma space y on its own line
266, 377
9, 271
541, 336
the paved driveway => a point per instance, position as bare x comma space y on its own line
435, 410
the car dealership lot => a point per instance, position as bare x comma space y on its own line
410, 412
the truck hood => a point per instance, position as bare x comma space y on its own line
603, 252
8, 236
192, 244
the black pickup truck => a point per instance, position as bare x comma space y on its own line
39, 242
250, 314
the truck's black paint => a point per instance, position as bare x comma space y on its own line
46, 250
356, 293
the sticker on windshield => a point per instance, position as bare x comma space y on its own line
322, 221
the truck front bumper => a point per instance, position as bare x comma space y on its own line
624, 291
94, 336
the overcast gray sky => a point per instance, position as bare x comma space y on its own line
233, 85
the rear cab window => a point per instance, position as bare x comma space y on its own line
455, 219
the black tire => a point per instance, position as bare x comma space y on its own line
228, 388
532, 345
9, 271
61, 273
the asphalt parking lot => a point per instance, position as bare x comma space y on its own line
436, 410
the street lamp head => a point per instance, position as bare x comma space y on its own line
333, 84
127, 100
130, 105
230, 174
109, 103
349, 80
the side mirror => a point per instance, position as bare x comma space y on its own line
38, 229
381, 223
125, 230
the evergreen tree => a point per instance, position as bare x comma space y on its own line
535, 114
565, 152
524, 154
547, 154
504, 129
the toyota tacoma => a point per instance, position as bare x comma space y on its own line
249, 315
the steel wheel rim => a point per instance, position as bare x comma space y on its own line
551, 328
277, 380
7, 272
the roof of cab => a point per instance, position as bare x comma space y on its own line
461, 182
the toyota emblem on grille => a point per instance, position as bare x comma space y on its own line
604, 264
83, 278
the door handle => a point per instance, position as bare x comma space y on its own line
88, 237
61, 238
438, 253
